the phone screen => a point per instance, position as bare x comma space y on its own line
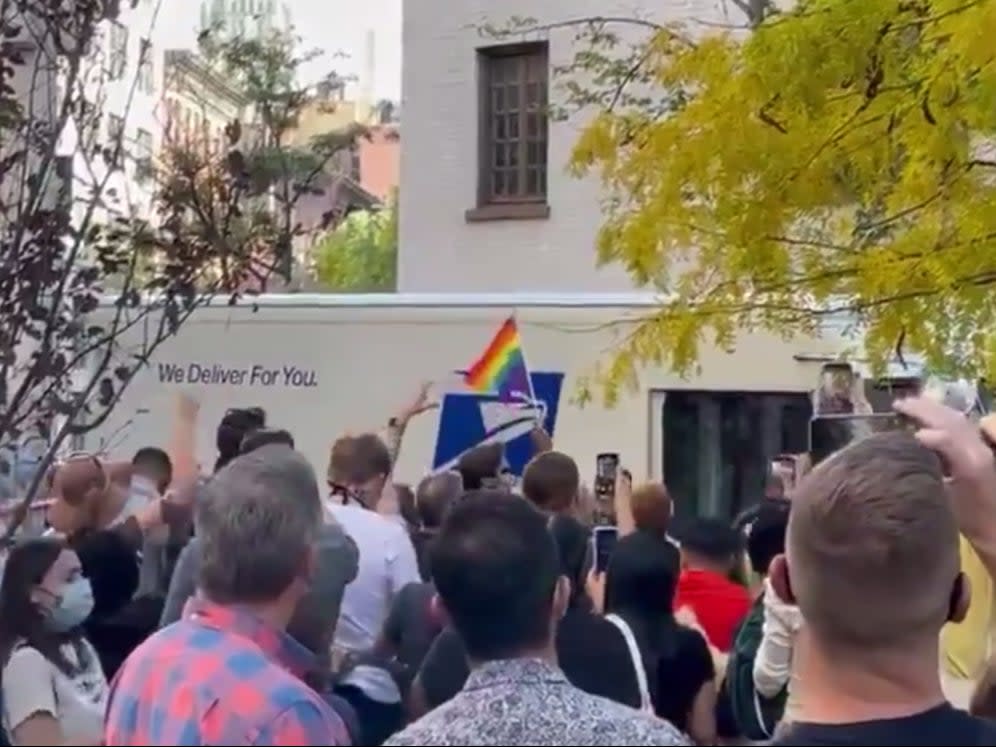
900, 387
606, 467
831, 433
603, 541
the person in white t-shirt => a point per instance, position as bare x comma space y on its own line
53, 688
359, 479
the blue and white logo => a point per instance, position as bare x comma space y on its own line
468, 420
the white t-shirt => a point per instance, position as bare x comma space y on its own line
387, 565
32, 684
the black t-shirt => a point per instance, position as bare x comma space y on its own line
680, 676
938, 727
410, 627
591, 651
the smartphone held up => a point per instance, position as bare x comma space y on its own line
603, 543
831, 433
606, 475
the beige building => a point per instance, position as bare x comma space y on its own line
198, 102
486, 203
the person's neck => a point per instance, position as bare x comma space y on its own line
848, 687
703, 565
111, 507
546, 653
276, 615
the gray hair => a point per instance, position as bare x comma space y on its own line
435, 495
257, 520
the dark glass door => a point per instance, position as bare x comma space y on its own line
718, 446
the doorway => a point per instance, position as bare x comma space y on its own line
718, 446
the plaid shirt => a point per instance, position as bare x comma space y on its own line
218, 677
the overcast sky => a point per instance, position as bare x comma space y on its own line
330, 25
341, 25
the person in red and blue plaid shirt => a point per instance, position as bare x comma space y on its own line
228, 673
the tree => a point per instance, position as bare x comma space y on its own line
266, 69
834, 161
361, 254
68, 235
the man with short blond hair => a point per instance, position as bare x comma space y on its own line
872, 561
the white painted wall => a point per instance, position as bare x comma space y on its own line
440, 251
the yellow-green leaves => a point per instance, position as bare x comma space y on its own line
839, 158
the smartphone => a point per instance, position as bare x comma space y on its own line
607, 467
603, 542
834, 395
831, 433
901, 386
606, 473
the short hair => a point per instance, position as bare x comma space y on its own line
435, 496
871, 529
257, 520
153, 463
551, 481
495, 567
711, 539
406, 504
357, 459
652, 508
264, 436
766, 533
236, 424
481, 464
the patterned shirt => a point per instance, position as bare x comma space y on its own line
530, 702
219, 676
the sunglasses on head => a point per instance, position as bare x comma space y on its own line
346, 494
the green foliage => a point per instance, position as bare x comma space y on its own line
265, 69
836, 160
361, 254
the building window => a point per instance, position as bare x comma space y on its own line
115, 131
119, 51
146, 72
143, 155
513, 134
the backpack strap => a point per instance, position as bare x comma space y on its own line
759, 715
646, 705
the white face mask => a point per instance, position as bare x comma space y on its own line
72, 607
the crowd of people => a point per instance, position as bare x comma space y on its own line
254, 605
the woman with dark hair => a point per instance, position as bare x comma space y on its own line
677, 677
54, 691
591, 651
232, 431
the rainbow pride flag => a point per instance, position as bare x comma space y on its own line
501, 369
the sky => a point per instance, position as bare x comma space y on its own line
342, 25
335, 26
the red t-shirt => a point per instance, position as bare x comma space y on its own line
719, 604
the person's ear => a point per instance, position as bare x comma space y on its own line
38, 597
961, 598
309, 565
437, 611
778, 574
561, 597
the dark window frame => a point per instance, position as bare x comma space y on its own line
531, 63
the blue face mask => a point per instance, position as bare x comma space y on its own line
73, 608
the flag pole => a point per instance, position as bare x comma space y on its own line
525, 360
